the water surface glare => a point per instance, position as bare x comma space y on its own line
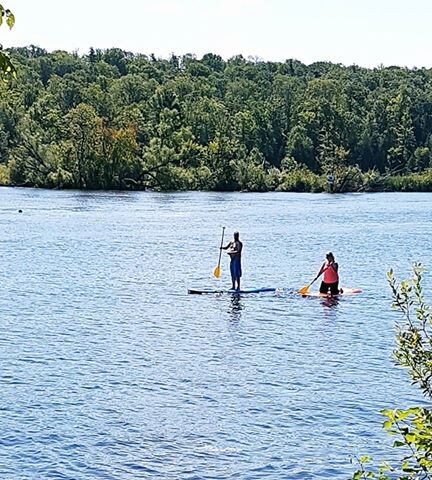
111, 371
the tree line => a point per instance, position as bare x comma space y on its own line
116, 120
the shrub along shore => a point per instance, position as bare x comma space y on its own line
116, 120
297, 181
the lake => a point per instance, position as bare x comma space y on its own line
110, 370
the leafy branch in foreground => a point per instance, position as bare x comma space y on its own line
6, 66
412, 428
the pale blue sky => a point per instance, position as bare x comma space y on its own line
364, 32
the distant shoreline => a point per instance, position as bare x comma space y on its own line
113, 120
406, 184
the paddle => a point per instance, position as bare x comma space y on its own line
217, 270
304, 290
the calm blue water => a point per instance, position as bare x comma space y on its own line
109, 370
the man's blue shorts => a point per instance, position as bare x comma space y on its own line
235, 267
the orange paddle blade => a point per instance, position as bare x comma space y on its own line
217, 272
304, 290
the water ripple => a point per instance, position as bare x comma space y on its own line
111, 371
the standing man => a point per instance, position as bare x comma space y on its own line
234, 251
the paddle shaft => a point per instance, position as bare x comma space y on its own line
316, 278
221, 245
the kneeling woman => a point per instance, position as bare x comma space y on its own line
330, 283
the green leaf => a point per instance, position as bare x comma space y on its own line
413, 411
389, 414
385, 467
10, 20
410, 438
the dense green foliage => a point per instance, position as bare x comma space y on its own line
112, 119
412, 428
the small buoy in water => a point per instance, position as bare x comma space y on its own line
19, 211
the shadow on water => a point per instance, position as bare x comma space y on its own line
235, 308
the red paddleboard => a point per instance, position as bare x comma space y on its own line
345, 292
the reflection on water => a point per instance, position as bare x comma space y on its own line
236, 308
88, 201
330, 302
330, 305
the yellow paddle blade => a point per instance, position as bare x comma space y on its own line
217, 272
304, 290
